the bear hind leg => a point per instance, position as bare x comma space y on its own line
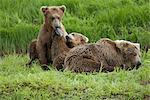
87, 65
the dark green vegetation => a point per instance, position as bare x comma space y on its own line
20, 21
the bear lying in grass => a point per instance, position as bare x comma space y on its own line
104, 55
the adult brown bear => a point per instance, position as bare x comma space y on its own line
105, 54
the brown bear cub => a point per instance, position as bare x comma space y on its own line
104, 55
74, 39
32, 52
52, 24
61, 48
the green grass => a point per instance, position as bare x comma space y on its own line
20, 20
19, 82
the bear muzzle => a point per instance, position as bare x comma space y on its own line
57, 27
69, 38
138, 64
59, 31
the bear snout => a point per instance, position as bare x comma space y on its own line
68, 38
59, 32
138, 64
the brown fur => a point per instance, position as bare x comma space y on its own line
73, 39
60, 49
105, 54
53, 16
32, 51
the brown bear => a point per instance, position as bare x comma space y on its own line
32, 52
60, 49
73, 39
104, 55
52, 24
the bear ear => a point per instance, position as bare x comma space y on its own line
137, 45
121, 43
125, 44
44, 9
63, 8
107, 40
85, 39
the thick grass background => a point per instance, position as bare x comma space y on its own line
20, 21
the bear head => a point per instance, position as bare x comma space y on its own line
53, 16
74, 39
130, 52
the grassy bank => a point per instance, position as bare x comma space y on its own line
19, 82
20, 20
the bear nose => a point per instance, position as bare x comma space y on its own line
67, 37
138, 64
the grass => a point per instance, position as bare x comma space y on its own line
116, 19
19, 82
20, 21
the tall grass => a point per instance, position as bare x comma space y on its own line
20, 20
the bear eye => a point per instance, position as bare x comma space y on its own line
83, 41
134, 54
52, 18
58, 18
73, 34
54, 9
